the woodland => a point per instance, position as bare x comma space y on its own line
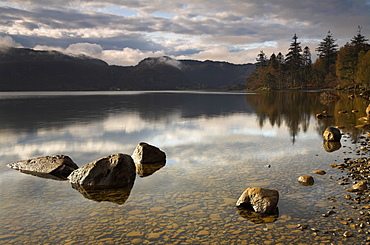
335, 67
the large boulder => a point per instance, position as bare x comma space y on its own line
145, 153
260, 200
113, 170
332, 134
58, 165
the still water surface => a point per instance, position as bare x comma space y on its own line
217, 145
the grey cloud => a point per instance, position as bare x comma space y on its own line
222, 22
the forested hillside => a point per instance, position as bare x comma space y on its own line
344, 67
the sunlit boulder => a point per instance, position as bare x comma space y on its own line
59, 166
145, 153
332, 134
113, 170
260, 200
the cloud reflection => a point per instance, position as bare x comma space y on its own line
121, 133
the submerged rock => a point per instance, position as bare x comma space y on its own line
145, 153
260, 200
306, 180
113, 170
332, 134
320, 172
362, 185
59, 166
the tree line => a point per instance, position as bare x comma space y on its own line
344, 67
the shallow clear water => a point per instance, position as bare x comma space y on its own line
217, 145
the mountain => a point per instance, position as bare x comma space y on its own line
29, 70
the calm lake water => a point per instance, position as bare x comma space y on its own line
217, 145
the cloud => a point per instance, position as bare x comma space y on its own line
7, 41
224, 30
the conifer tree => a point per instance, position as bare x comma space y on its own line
327, 51
293, 61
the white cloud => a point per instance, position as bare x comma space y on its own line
7, 41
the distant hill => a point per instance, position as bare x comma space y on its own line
30, 70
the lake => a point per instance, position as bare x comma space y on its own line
217, 144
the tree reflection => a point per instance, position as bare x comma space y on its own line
295, 109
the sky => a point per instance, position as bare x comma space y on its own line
123, 32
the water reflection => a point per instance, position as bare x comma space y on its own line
258, 218
105, 194
331, 146
147, 169
216, 144
44, 175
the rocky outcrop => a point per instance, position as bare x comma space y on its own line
113, 170
145, 153
306, 180
332, 134
59, 166
260, 200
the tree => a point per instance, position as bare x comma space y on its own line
261, 60
293, 61
346, 64
360, 42
327, 51
363, 68
307, 56
307, 65
348, 59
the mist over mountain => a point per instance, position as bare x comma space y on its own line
29, 70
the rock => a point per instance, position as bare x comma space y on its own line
145, 153
332, 134
347, 234
362, 185
113, 170
58, 165
320, 172
259, 199
306, 180
367, 110
322, 115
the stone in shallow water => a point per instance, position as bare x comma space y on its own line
113, 170
362, 185
59, 166
306, 180
145, 153
261, 200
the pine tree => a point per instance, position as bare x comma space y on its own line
261, 60
327, 51
307, 61
307, 65
360, 42
293, 61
